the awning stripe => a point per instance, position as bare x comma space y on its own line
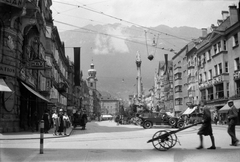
4, 87
189, 111
35, 93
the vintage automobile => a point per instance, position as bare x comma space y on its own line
160, 119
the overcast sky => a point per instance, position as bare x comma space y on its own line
149, 13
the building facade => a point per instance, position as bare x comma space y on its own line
180, 81
218, 61
33, 65
210, 65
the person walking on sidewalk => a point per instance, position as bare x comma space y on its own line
55, 122
46, 121
206, 128
232, 121
83, 117
66, 123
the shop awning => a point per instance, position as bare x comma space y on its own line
107, 116
189, 111
225, 108
34, 92
4, 87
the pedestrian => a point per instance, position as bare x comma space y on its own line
61, 123
66, 123
220, 119
35, 121
83, 117
46, 121
55, 122
215, 119
206, 128
232, 121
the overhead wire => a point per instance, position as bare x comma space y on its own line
103, 22
122, 20
170, 50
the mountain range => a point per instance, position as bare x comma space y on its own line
112, 49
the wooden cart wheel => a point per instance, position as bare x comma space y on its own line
163, 144
170, 141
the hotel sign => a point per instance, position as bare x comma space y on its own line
7, 70
15, 3
36, 64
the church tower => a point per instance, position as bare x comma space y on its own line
92, 80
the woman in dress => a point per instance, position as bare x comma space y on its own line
66, 123
206, 128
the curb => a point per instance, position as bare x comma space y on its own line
5, 139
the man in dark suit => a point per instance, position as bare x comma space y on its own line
83, 117
232, 121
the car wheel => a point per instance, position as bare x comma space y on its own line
172, 121
180, 124
147, 125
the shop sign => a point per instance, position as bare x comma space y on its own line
15, 3
7, 70
236, 75
36, 64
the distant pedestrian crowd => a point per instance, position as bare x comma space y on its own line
58, 121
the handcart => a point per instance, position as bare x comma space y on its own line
163, 140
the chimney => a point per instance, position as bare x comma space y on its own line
213, 27
233, 14
219, 22
225, 15
204, 32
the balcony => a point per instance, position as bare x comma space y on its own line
220, 78
62, 87
236, 75
206, 84
219, 53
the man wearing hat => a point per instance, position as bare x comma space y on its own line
232, 121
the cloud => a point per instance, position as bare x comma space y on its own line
112, 43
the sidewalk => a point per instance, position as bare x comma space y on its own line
26, 135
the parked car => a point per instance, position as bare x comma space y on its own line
160, 119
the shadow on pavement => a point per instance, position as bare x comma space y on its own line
105, 155
96, 127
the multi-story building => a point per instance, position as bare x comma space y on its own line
218, 61
163, 86
208, 67
23, 62
109, 105
180, 80
33, 67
